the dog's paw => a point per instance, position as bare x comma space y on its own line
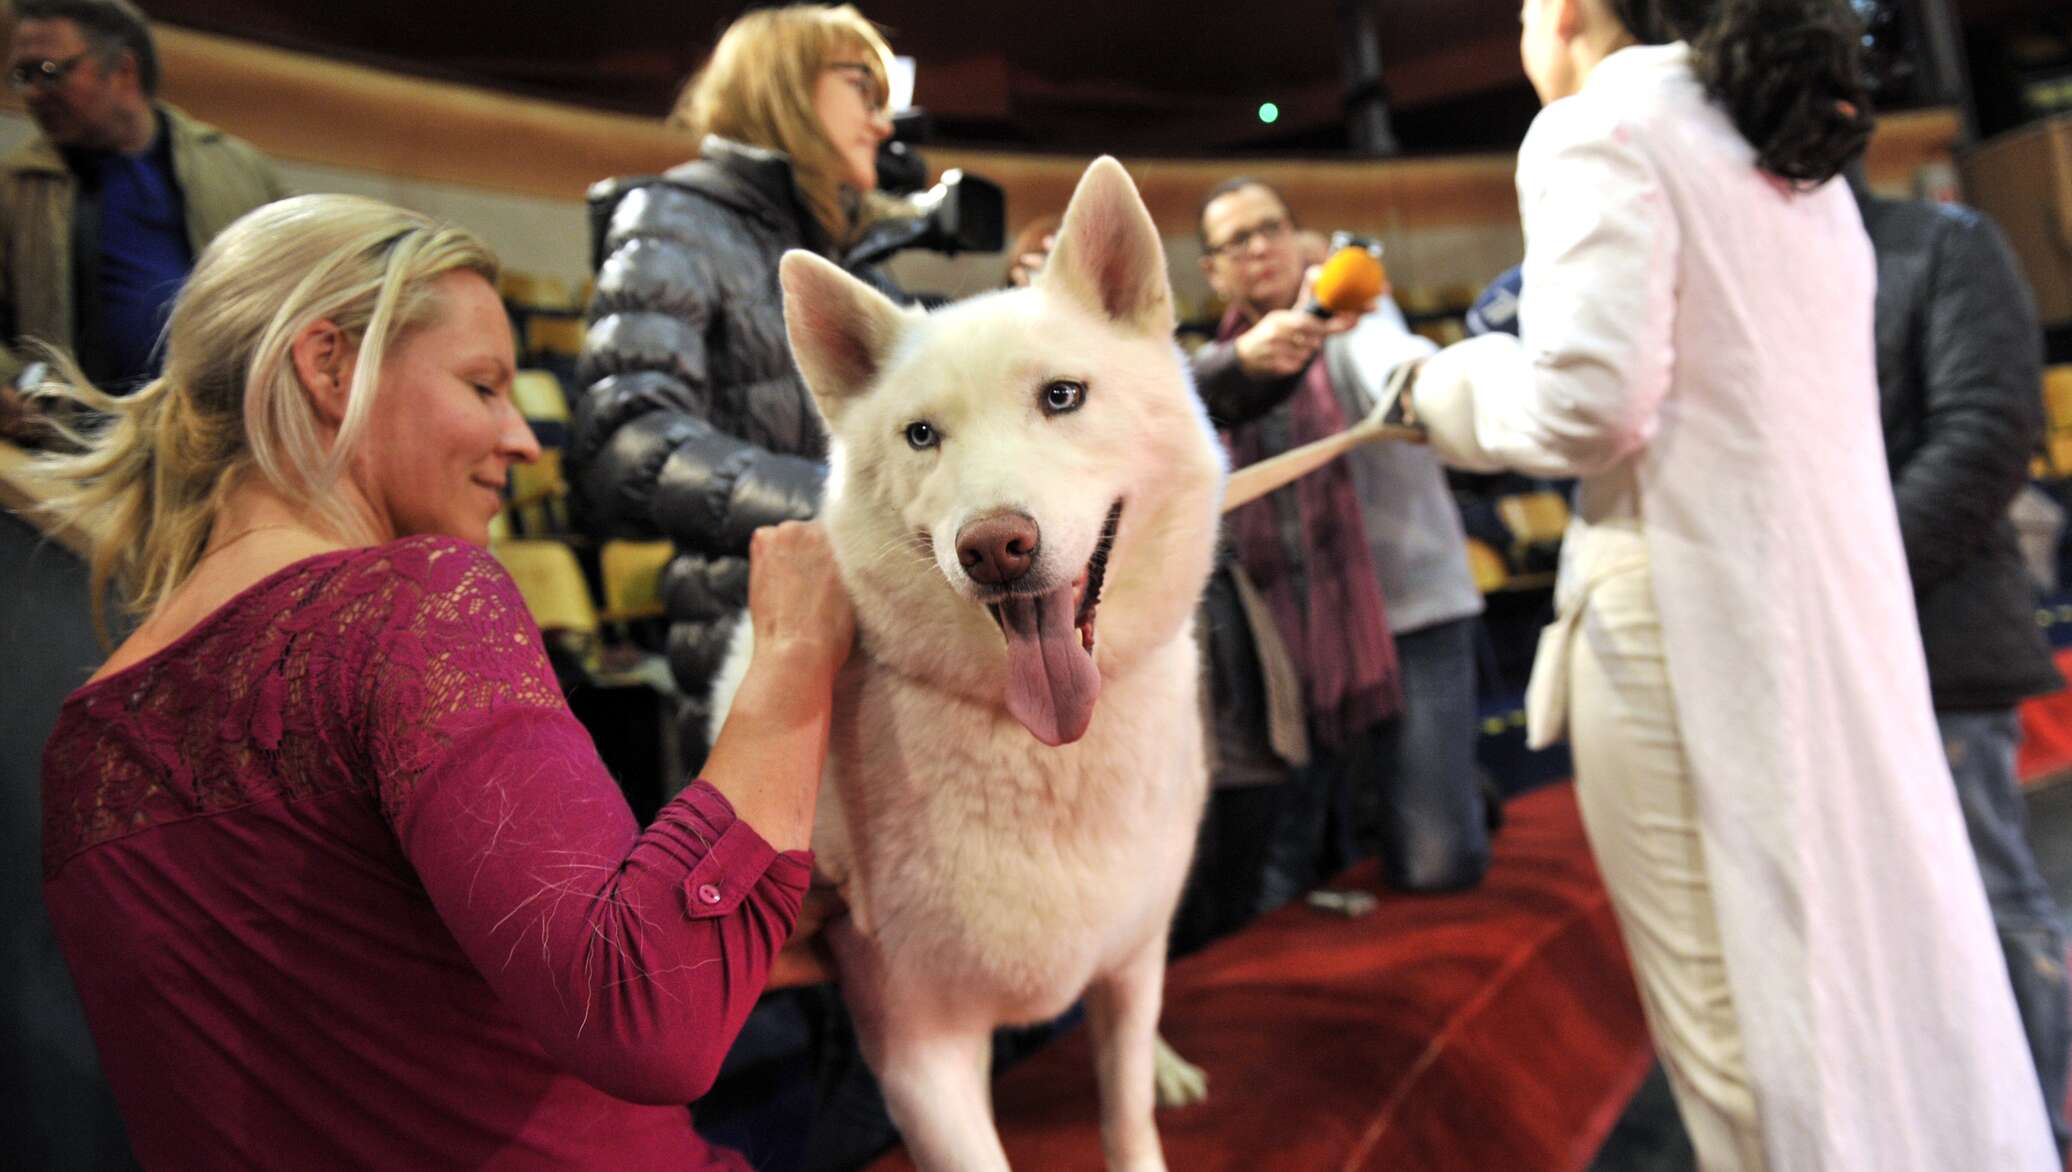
1180, 1083
1350, 904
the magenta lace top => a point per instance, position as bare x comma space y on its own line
343, 884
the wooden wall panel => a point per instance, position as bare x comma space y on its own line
316, 110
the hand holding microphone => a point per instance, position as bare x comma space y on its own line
1331, 300
1334, 296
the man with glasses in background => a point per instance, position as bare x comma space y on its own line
1362, 565
103, 213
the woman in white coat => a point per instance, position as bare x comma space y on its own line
1736, 660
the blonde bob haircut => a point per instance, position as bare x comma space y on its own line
155, 474
757, 88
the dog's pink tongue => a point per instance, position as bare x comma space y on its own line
1051, 678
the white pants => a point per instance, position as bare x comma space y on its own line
1633, 784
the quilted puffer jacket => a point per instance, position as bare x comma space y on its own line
1959, 370
691, 421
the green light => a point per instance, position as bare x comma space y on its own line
1268, 112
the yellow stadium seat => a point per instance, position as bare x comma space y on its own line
539, 396
632, 573
1534, 518
538, 480
536, 291
551, 580
562, 336
1486, 565
2057, 398
539, 495
2060, 447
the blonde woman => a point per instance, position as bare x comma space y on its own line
691, 422
340, 879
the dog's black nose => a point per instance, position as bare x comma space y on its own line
997, 550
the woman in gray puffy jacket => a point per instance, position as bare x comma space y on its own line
691, 421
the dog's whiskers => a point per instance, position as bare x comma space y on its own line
895, 556
916, 546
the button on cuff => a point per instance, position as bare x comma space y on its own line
720, 880
735, 858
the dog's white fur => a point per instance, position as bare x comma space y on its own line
992, 879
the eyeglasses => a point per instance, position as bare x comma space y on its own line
1268, 230
865, 81
45, 73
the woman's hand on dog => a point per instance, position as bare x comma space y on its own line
801, 612
768, 755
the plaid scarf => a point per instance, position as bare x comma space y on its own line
1338, 630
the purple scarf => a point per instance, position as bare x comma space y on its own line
1338, 634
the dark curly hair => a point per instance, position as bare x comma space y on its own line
1788, 72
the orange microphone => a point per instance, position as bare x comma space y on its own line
1351, 278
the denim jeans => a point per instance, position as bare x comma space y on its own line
1405, 790
1420, 807
1981, 748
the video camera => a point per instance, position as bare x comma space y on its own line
961, 213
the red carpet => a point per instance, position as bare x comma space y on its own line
1495, 1029
2047, 730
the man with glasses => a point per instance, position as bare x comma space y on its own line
1362, 564
103, 213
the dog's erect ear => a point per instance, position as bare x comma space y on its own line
841, 329
1108, 256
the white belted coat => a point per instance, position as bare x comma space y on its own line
1697, 347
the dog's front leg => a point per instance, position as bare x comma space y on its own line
1122, 1011
938, 1090
934, 1068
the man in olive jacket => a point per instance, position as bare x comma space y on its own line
1959, 378
104, 212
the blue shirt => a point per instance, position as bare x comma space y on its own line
145, 258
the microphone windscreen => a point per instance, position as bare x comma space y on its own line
1350, 281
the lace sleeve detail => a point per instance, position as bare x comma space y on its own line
632, 957
457, 649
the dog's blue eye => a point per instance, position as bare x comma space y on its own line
921, 435
1062, 395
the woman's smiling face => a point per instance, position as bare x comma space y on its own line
445, 431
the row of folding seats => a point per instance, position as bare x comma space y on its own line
534, 539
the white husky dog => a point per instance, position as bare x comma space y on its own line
1023, 501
